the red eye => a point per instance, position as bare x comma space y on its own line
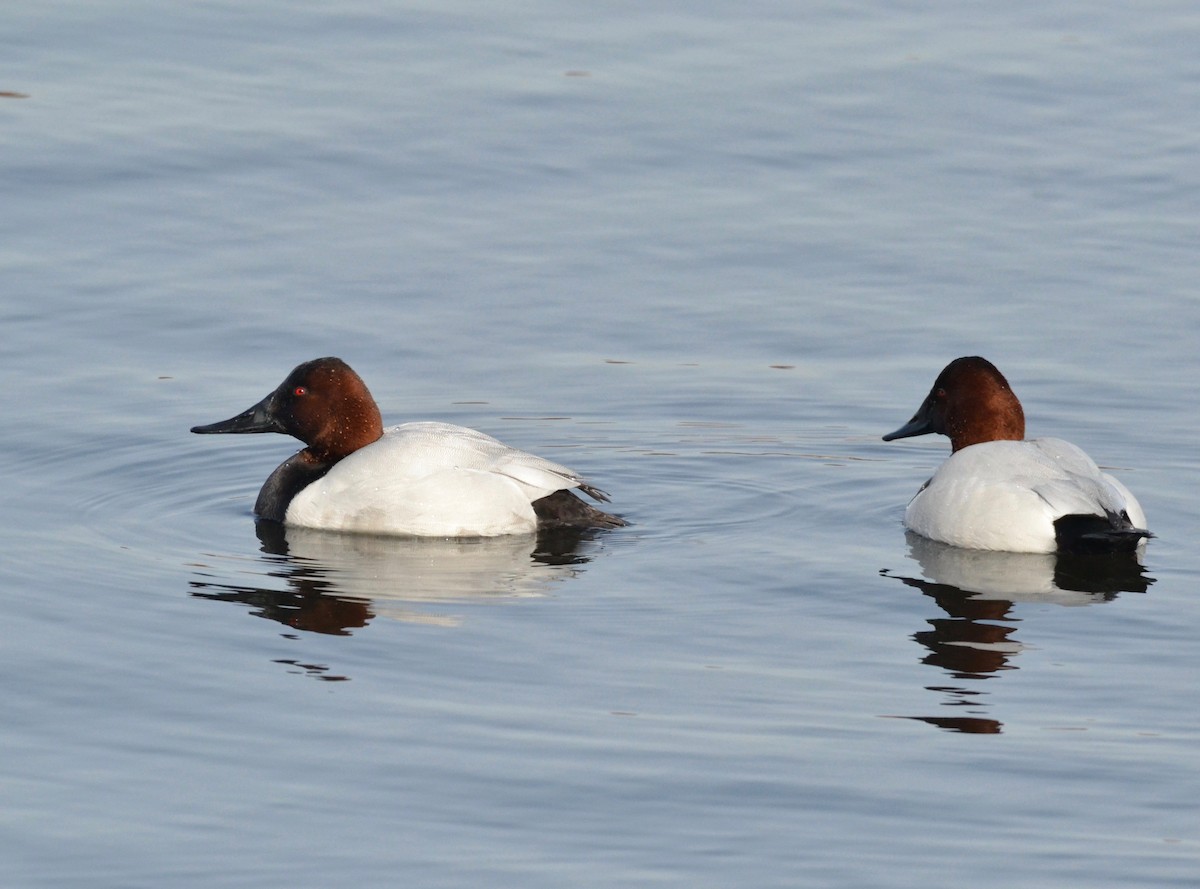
299, 390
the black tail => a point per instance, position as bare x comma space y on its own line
563, 509
1086, 534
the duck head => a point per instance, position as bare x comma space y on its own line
970, 403
323, 402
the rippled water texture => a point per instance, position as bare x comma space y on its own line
704, 255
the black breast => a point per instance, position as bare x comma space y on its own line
290, 477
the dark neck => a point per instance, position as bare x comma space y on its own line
290, 477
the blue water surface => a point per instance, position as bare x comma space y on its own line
704, 254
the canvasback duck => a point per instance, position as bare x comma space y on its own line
416, 479
997, 491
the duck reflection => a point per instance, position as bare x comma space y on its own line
336, 583
978, 591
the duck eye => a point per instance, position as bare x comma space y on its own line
940, 393
299, 390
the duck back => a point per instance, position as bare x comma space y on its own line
1024, 496
432, 479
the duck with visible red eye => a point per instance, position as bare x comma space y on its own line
998, 491
417, 479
